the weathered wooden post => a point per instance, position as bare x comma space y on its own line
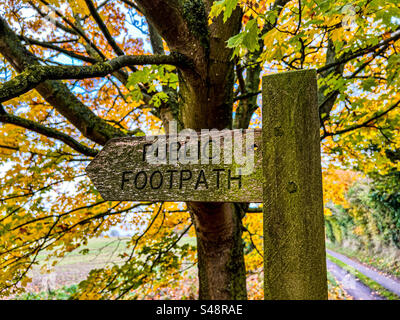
294, 241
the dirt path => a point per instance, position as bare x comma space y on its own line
391, 284
351, 284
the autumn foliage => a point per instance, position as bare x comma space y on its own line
49, 134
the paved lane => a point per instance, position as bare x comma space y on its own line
391, 284
351, 284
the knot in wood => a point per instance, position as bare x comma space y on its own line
292, 187
278, 132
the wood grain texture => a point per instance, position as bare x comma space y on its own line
294, 240
120, 172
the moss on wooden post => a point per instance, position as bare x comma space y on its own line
294, 241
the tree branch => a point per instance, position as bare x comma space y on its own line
103, 28
360, 52
58, 49
75, 28
53, 21
178, 35
131, 4
56, 93
248, 98
247, 95
364, 124
36, 74
327, 101
49, 132
155, 39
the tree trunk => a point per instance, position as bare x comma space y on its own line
205, 102
222, 273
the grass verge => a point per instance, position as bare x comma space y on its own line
63, 293
335, 291
385, 263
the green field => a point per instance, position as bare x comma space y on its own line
74, 267
100, 251
97, 251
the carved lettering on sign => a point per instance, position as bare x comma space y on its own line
159, 168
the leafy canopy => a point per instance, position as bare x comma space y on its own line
47, 203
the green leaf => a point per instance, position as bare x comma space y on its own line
230, 6
217, 8
159, 98
224, 5
248, 39
368, 84
235, 41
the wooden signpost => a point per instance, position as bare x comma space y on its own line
122, 171
294, 237
284, 174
